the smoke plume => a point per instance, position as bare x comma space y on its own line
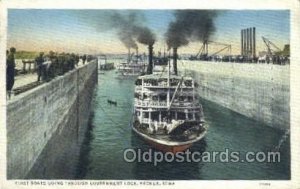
130, 29
190, 25
145, 36
127, 39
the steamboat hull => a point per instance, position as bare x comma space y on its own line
168, 146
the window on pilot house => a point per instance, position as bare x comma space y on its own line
197, 116
163, 97
190, 115
181, 115
155, 98
155, 116
146, 114
181, 98
137, 113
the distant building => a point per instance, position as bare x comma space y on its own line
286, 50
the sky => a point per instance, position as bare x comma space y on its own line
88, 31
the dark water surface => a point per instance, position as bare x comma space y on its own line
110, 134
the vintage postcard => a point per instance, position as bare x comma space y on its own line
149, 94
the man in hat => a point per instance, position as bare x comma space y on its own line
39, 62
10, 70
83, 59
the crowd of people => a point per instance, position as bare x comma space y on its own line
48, 66
274, 59
55, 64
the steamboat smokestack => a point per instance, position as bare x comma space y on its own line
128, 59
175, 60
137, 54
150, 63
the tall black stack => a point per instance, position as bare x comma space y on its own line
248, 42
150, 63
175, 56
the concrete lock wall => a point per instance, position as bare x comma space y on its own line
47, 123
258, 91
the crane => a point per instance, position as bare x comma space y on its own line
226, 47
203, 51
272, 49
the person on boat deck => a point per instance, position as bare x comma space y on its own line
165, 119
